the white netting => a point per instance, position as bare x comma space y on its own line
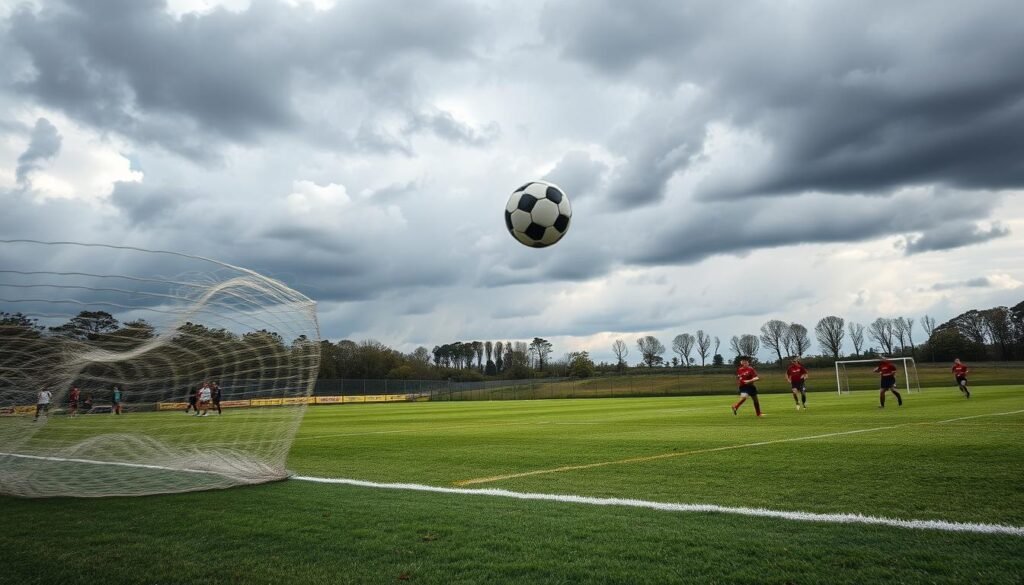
153, 326
860, 375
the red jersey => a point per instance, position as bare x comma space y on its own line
959, 370
796, 372
886, 369
745, 375
73, 397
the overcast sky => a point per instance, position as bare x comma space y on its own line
728, 163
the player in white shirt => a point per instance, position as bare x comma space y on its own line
43, 403
205, 395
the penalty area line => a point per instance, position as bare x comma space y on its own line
798, 516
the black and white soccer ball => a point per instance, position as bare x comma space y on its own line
538, 214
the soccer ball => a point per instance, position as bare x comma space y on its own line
538, 214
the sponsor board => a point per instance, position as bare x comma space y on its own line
171, 405
298, 400
24, 410
265, 402
329, 399
234, 403
353, 399
397, 397
7, 411
375, 398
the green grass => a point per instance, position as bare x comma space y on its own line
698, 381
966, 470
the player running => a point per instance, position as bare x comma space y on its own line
193, 396
960, 374
215, 391
73, 401
745, 377
205, 395
43, 403
888, 383
797, 374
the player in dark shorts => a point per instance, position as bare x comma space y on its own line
193, 394
215, 387
73, 401
745, 378
887, 371
796, 373
960, 374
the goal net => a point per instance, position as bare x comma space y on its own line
100, 349
860, 375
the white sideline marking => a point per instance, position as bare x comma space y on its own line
113, 463
674, 454
798, 516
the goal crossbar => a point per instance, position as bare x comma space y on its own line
907, 361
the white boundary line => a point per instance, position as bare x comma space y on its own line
942, 525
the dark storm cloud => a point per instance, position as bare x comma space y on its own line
127, 65
44, 145
741, 227
577, 173
850, 97
953, 235
980, 282
148, 204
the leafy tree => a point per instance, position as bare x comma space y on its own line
499, 357
928, 324
718, 360
580, 365
830, 332
87, 326
541, 349
683, 345
650, 350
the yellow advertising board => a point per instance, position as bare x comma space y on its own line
298, 400
234, 403
329, 399
396, 397
24, 410
171, 405
375, 398
353, 399
265, 402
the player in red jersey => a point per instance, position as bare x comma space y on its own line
745, 377
796, 373
960, 374
888, 373
73, 401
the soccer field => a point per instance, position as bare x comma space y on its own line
784, 485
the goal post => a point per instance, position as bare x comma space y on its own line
855, 375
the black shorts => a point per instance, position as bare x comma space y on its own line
888, 382
748, 389
798, 385
961, 380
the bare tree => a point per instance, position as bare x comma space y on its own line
749, 345
703, 345
499, 356
928, 324
899, 329
910, 335
881, 330
856, 336
683, 345
773, 336
830, 332
621, 352
650, 350
799, 343
718, 343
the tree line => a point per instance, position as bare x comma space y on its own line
996, 333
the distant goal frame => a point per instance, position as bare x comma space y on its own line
906, 371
